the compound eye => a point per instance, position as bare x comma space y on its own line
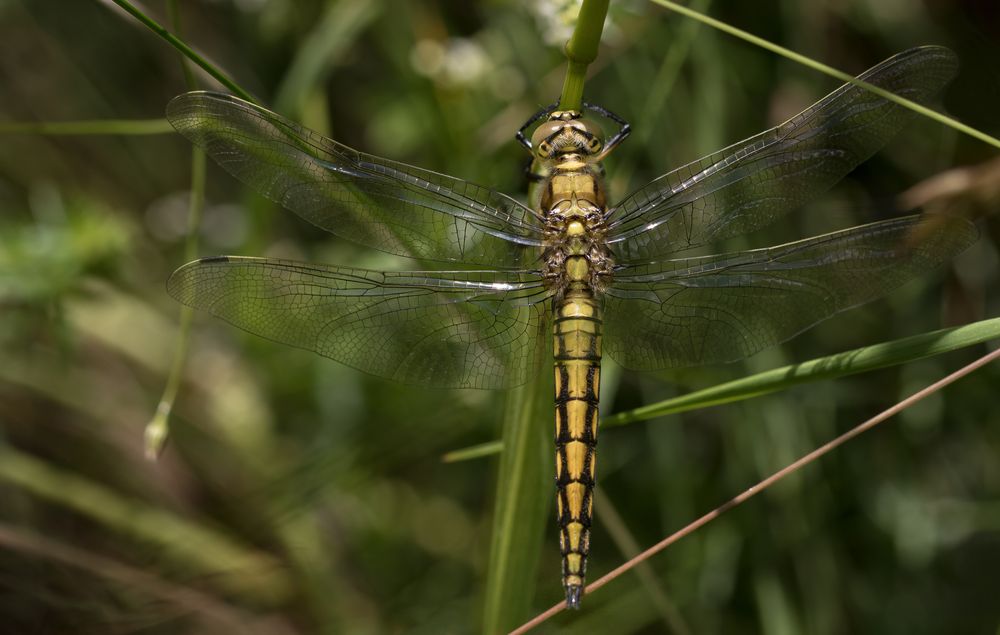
595, 134
542, 135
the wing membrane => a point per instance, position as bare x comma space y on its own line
753, 183
390, 206
464, 329
725, 307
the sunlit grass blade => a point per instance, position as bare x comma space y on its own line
234, 567
828, 70
524, 492
859, 360
118, 127
851, 362
474, 452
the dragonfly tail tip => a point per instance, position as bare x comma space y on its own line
573, 594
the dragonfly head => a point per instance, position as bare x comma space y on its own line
567, 132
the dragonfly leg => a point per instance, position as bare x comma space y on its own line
624, 128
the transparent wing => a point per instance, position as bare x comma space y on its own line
754, 182
725, 307
390, 206
468, 329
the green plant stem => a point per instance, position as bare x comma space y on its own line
158, 429
118, 127
174, 16
581, 50
851, 362
829, 70
186, 50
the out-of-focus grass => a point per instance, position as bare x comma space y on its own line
335, 475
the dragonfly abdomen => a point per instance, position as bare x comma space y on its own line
577, 344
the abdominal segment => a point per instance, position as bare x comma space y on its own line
577, 378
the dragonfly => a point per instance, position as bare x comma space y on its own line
593, 277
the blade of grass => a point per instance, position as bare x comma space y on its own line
186, 50
474, 452
524, 487
859, 360
768, 482
93, 127
828, 70
851, 362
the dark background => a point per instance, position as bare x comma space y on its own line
300, 496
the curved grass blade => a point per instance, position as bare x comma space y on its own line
828, 70
859, 360
186, 50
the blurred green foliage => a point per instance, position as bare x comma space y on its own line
300, 496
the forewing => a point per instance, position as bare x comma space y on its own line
450, 329
753, 183
725, 307
390, 206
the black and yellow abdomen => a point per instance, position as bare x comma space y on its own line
577, 338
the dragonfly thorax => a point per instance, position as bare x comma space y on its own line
575, 252
573, 204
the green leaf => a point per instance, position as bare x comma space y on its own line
859, 360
